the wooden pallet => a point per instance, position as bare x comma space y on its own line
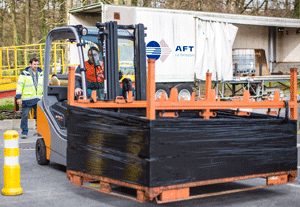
166, 194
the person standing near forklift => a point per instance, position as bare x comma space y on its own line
29, 92
94, 74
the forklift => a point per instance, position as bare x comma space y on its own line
53, 107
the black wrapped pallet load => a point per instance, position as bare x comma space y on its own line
128, 147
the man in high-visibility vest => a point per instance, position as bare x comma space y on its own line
29, 92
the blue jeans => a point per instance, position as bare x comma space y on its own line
100, 94
24, 121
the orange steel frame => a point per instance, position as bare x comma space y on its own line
207, 105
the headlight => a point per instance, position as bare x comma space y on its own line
84, 31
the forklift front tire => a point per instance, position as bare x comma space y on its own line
40, 152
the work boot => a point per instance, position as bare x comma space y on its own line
37, 134
24, 136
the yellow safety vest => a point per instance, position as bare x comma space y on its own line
25, 86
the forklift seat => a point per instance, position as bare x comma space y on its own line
59, 80
61, 92
58, 86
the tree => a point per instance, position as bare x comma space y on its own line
296, 9
27, 22
2, 17
62, 14
42, 17
12, 7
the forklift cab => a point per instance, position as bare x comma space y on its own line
53, 108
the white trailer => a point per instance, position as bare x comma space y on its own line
187, 44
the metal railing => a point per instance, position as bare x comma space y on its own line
14, 59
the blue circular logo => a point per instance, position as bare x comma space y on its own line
153, 50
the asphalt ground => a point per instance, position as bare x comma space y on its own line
49, 186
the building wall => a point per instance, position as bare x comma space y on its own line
288, 45
252, 37
85, 19
257, 37
123, 15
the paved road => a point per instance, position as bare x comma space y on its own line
49, 186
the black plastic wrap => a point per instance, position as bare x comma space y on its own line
167, 151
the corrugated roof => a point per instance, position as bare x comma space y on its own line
250, 20
89, 8
209, 16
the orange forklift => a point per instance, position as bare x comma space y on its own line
160, 147
52, 110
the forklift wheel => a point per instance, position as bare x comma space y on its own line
40, 152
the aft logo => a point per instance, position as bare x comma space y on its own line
185, 51
161, 50
155, 50
184, 48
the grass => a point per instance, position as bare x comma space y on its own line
282, 87
7, 103
2, 117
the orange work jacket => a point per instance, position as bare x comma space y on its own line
90, 72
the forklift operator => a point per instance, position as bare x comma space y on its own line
94, 75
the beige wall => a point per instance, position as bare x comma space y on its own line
257, 37
252, 37
85, 19
288, 45
127, 14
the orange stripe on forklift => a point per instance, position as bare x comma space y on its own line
44, 130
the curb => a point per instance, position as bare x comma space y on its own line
27, 145
14, 124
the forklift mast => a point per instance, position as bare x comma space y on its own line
108, 39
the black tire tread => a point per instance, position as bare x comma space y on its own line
40, 152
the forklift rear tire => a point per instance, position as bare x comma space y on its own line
40, 152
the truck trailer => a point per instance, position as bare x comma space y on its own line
236, 49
